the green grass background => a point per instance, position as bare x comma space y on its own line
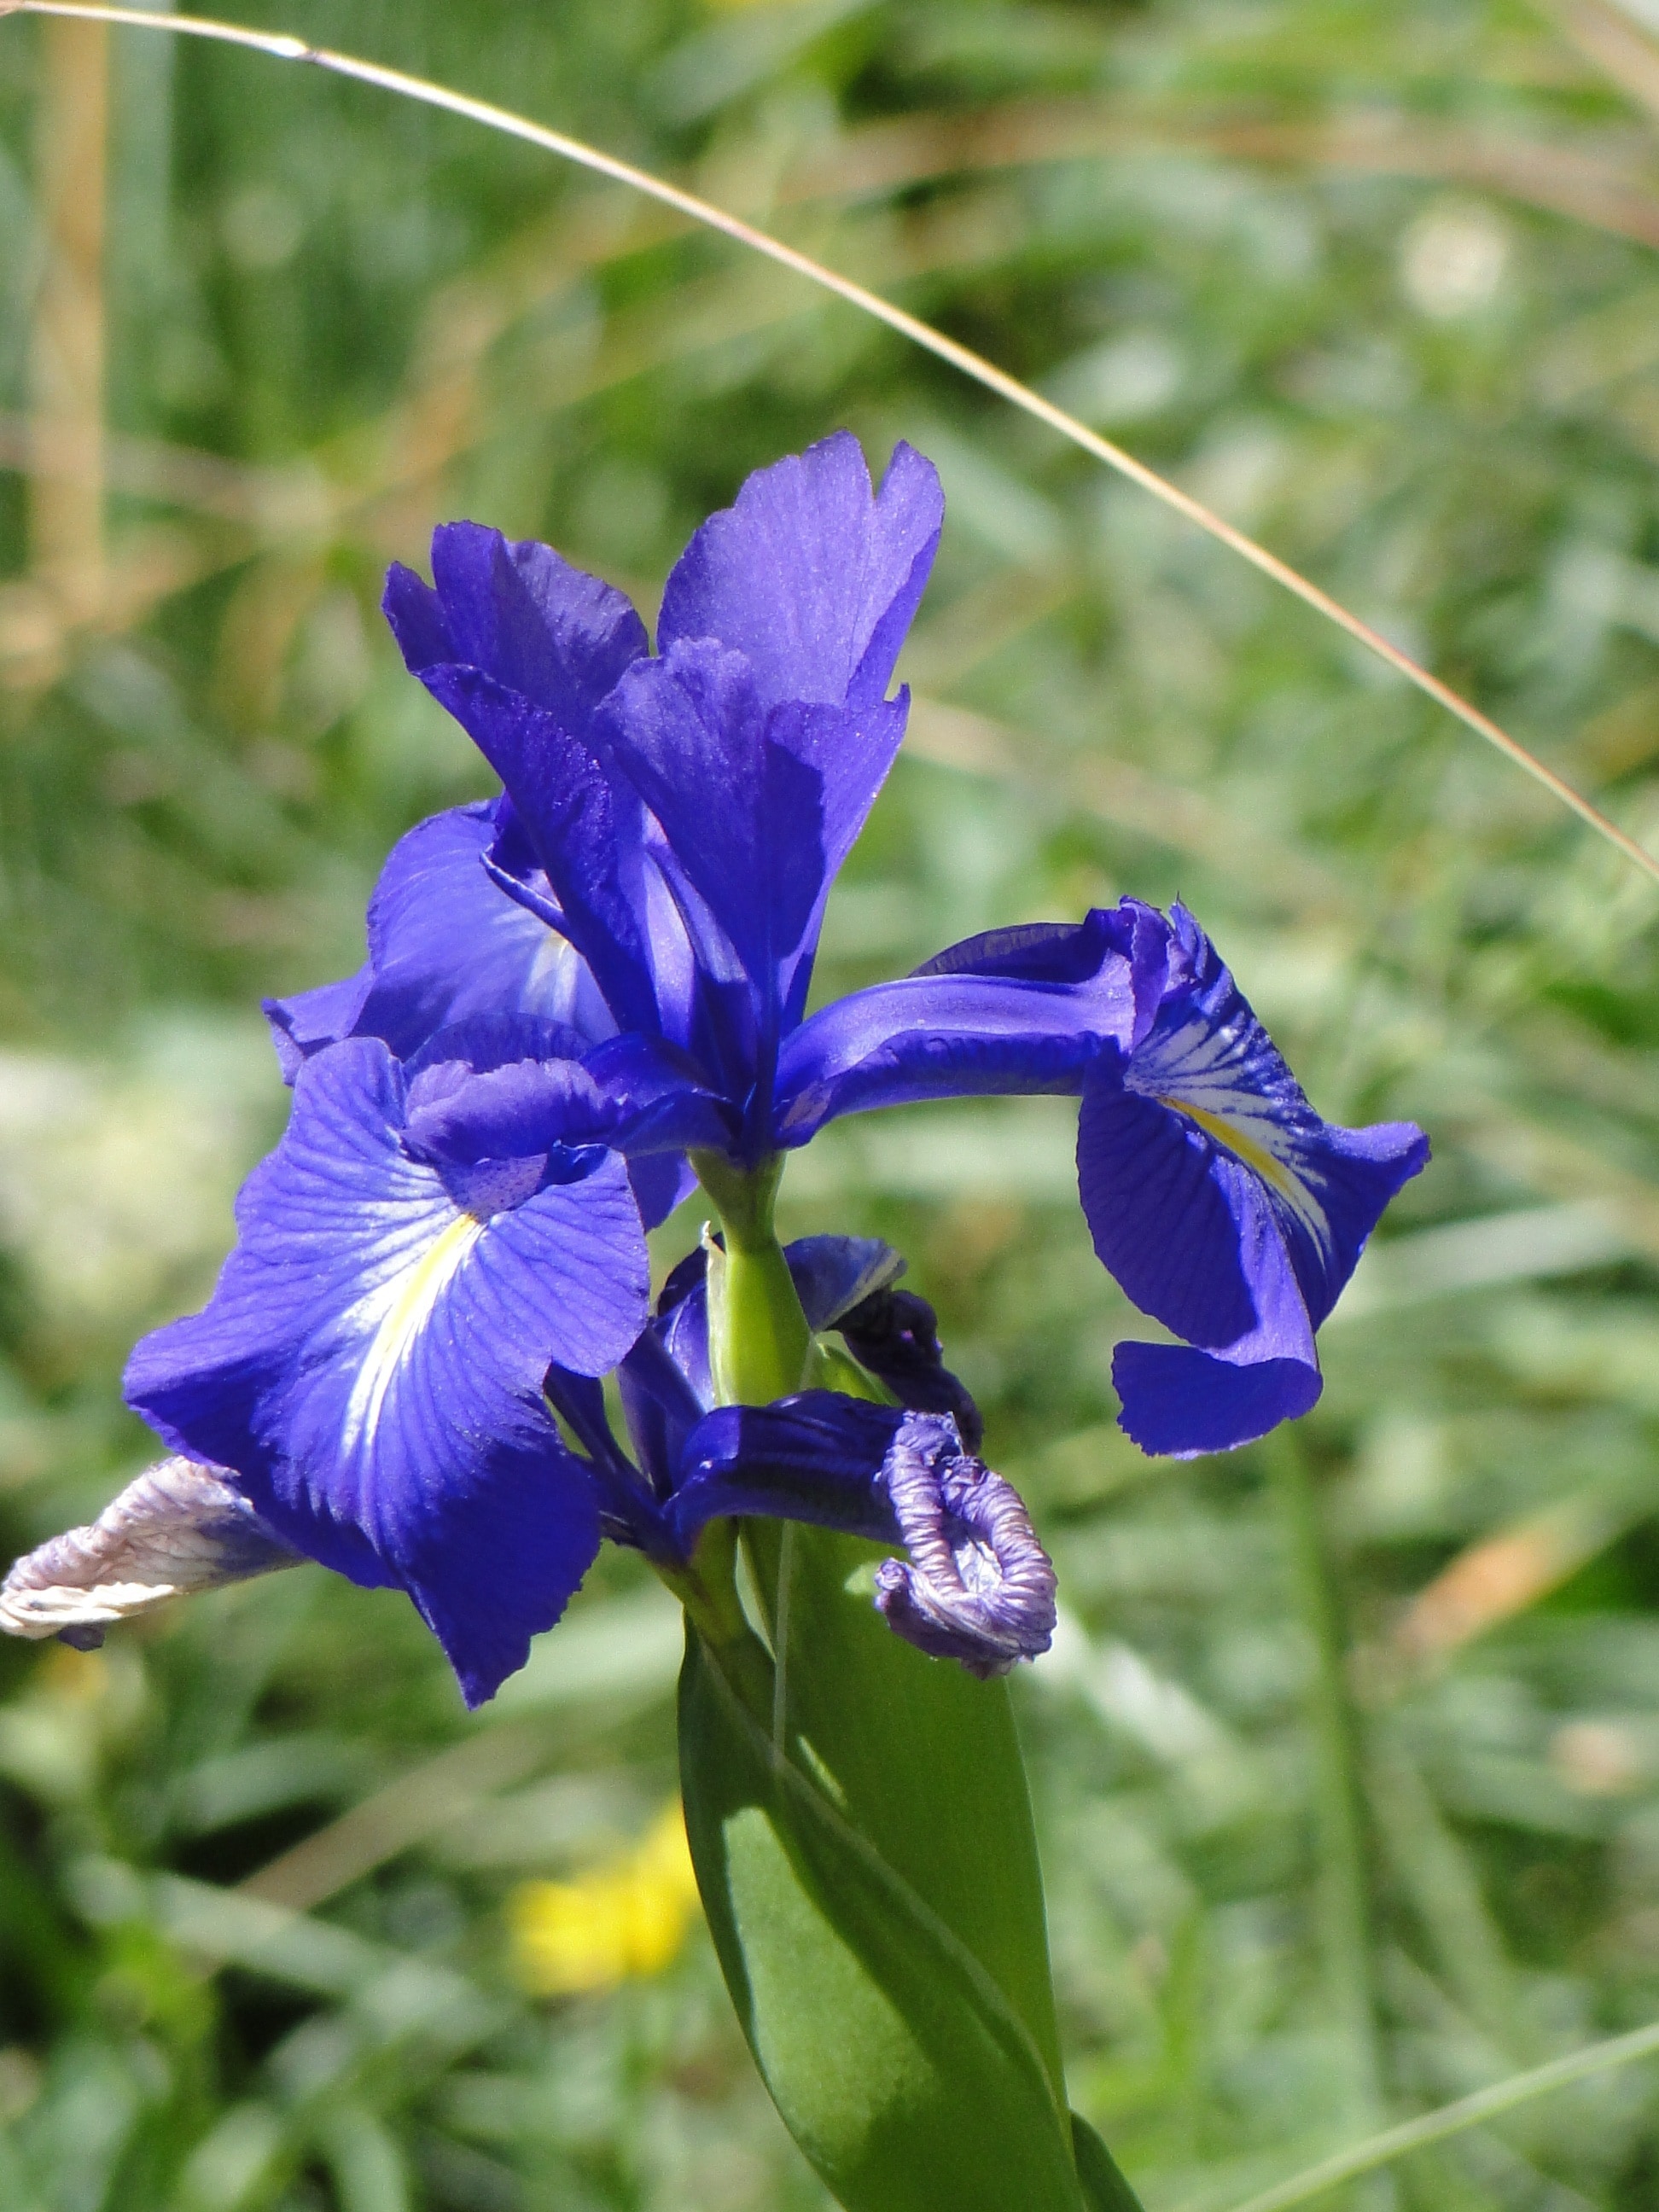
1378, 281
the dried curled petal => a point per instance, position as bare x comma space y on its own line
179, 1527
979, 1588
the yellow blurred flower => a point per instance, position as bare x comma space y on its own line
627, 1917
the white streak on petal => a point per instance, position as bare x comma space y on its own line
1213, 1076
415, 1294
179, 1527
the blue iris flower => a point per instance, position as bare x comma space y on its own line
658, 869
491, 1552
577, 990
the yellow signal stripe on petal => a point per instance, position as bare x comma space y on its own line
1255, 1156
402, 1324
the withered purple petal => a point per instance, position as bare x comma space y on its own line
978, 1587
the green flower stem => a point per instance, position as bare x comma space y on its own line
923, 1762
707, 1589
760, 1346
759, 1339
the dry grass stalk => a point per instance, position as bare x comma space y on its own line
66, 486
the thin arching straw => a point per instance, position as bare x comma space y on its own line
282, 48
1471, 2111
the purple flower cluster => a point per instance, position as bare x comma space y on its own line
572, 990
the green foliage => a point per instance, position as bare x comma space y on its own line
1103, 2187
894, 2056
924, 1762
1377, 282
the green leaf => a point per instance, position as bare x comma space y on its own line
927, 1761
901, 2069
1104, 2189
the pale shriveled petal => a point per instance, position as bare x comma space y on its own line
179, 1528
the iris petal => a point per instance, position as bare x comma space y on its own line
370, 1364
528, 1092
756, 800
585, 827
1161, 1209
520, 613
815, 1457
812, 575
1096, 952
307, 1020
1225, 1209
894, 1335
758, 741
1208, 1058
742, 812
1179, 1403
521, 648
1018, 1010
945, 1036
445, 943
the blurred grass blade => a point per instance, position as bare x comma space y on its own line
1502, 1575
621, 1658
282, 47
364, 2161
1344, 1889
1617, 47
66, 440
1491, 2104
1562, 177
